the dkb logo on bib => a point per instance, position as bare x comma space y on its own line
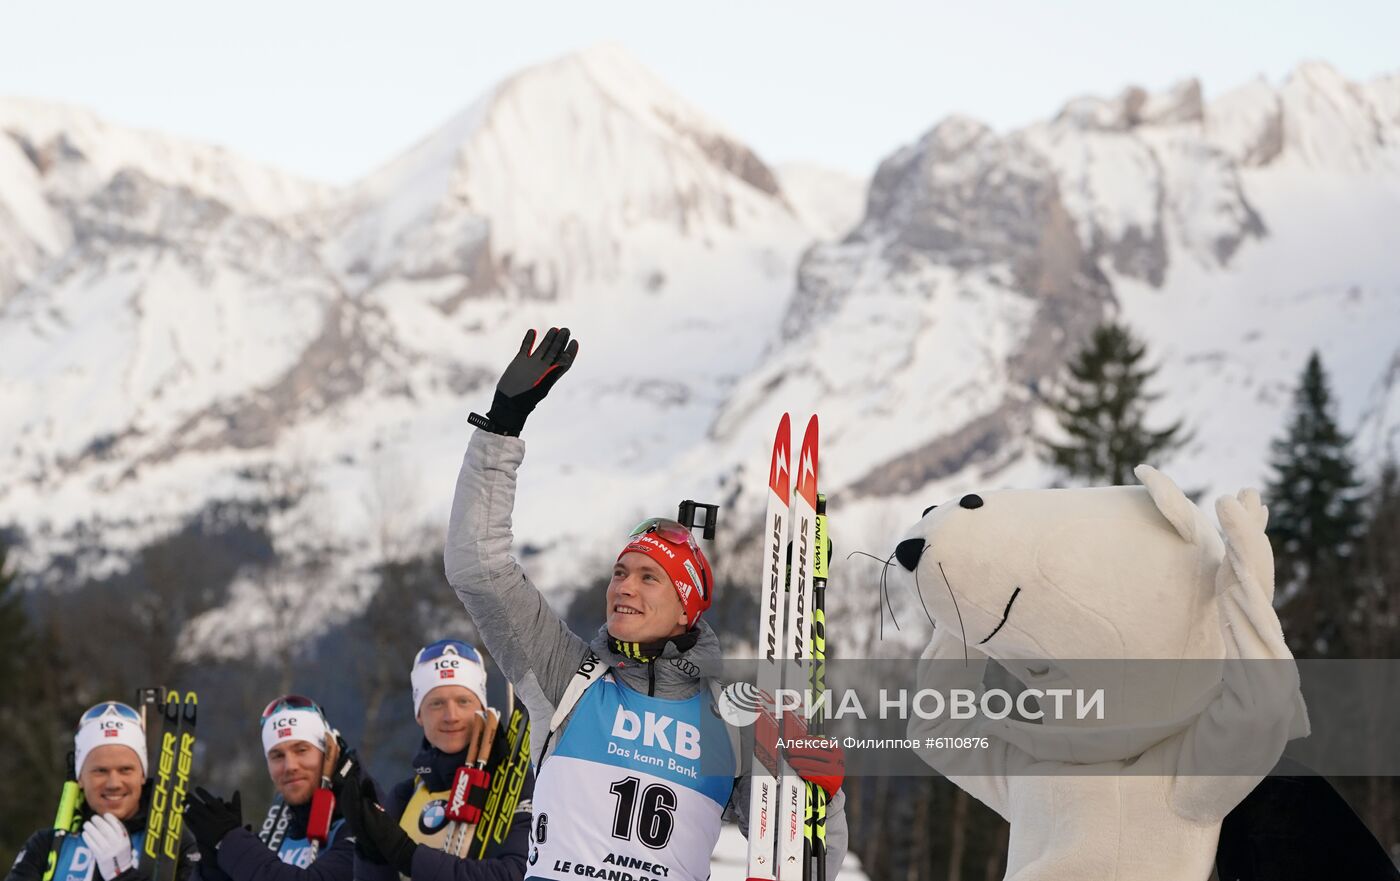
656, 730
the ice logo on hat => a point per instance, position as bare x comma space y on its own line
447, 668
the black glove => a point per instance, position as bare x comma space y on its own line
345, 783
378, 836
210, 818
527, 380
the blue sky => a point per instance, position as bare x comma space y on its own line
330, 90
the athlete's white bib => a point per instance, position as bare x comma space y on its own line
634, 791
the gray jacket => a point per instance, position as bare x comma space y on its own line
530, 643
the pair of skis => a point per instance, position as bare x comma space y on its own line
786, 816
506, 783
170, 718
483, 799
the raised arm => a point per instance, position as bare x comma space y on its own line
529, 642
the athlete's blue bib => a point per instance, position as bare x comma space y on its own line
623, 797
297, 851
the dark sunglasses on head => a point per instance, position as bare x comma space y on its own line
290, 702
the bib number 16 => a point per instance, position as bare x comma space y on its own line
652, 817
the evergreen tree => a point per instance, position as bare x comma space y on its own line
1377, 565
1378, 568
1315, 520
36, 713
1103, 410
14, 630
15, 637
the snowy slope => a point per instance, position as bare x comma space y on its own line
169, 339
174, 322
831, 202
54, 157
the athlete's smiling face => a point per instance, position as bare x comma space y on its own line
642, 601
295, 768
111, 780
446, 716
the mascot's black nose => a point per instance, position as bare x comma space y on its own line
909, 551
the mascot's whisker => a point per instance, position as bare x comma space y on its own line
884, 588
955, 605
885, 585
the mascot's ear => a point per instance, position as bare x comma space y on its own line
1170, 500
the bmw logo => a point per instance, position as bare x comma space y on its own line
434, 816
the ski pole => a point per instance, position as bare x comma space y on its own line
65, 822
820, 573
470, 788
318, 825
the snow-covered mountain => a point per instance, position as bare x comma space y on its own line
175, 320
831, 202
1234, 236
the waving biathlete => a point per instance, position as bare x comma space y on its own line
637, 770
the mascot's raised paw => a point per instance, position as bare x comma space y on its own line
1243, 519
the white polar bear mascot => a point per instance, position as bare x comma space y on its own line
1129, 591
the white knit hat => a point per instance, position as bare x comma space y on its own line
447, 662
108, 724
289, 723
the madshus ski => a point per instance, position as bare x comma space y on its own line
763, 792
165, 821
778, 802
